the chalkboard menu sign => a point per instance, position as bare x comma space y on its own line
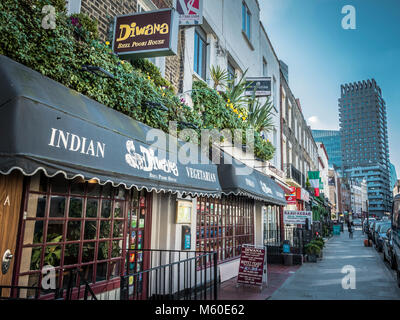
252, 263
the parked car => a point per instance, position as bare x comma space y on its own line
396, 234
388, 254
375, 231
357, 222
366, 224
370, 228
381, 234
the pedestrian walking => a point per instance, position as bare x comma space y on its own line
350, 228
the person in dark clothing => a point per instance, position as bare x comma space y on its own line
349, 228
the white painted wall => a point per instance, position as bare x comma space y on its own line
324, 170
223, 26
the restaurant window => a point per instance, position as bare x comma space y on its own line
73, 224
224, 225
265, 68
200, 53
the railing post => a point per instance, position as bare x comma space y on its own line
215, 276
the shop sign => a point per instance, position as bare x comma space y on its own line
146, 34
252, 267
261, 86
291, 198
296, 217
302, 194
183, 212
190, 12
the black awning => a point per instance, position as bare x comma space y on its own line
237, 178
46, 126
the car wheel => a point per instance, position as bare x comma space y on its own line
393, 263
398, 278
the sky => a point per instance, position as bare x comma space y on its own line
308, 36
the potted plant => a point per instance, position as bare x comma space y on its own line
312, 250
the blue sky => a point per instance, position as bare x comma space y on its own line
321, 55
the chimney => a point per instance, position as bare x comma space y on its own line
298, 103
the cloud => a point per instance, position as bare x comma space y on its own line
314, 121
316, 124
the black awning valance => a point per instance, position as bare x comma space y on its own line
46, 126
237, 178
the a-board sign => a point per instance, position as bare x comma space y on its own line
252, 264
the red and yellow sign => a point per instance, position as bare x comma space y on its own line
291, 198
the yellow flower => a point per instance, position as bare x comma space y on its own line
122, 61
229, 100
244, 119
148, 78
163, 94
107, 42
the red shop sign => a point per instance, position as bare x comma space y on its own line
252, 263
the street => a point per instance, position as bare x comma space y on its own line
323, 280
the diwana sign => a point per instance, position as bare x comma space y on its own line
146, 34
251, 267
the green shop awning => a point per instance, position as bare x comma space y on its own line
45, 126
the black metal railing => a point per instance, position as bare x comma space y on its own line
171, 275
297, 238
293, 173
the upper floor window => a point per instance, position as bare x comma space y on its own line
231, 71
200, 54
265, 68
246, 20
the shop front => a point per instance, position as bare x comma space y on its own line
247, 213
85, 187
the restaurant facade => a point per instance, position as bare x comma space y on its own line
86, 187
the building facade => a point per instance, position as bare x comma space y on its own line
323, 168
299, 150
365, 149
332, 143
393, 176
333, 193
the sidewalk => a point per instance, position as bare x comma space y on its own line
277, 275
323, 280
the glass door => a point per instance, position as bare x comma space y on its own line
138, 237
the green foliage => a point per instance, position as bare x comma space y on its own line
312, 248
319, 242
215, 110
260, 114
235, 92
148, 69
83, 22
52, 254
219, 76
